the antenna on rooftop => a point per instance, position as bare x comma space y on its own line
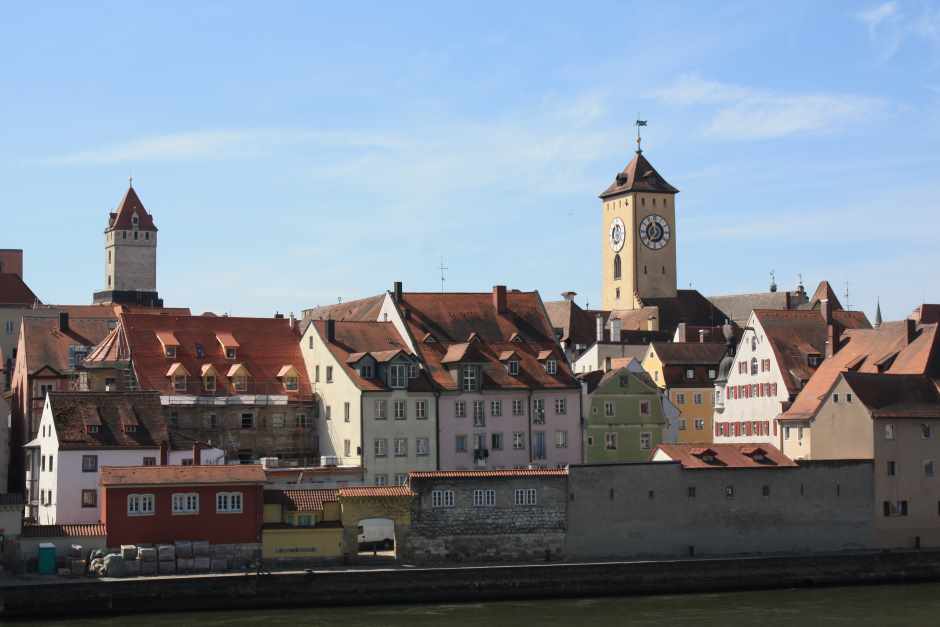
848, 305
443, 269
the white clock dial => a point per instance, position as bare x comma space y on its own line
617, 234
654, 232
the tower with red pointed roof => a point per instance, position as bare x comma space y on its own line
130, 243
638, 238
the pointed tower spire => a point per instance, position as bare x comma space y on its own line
878, 314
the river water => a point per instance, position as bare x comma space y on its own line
884, 606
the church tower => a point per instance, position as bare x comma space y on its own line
638, 237
130, 244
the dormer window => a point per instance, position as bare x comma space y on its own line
92, 428
814, 360
366, 372
179, 383
240, 383
170, 352
470, 382
289, 377
229, 345
238, 375
231, 353
169, 343
689, 373
130, 428
412, 371
513, 368
398, 376
178, 375
291, 383
209, 383
551, 366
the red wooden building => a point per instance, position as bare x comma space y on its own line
162, 504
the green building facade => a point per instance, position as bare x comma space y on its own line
624, 419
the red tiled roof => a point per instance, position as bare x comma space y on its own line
265, 346
301, 500
112, 411
122, 218
65, 530
861, 351
896, 395
375, 491
726, 456
452, 317
182, 475
379, 339
47, 346
639, 176
14, 291
689, 353
363, 309
489, 474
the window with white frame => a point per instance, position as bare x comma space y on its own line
412, 371
442, 498
329, 374
680, 398
209, 383
460, 409
380, 410
89, 463
513, 368
889, 431
517, 407
401, 447
401, 478
381, 479
381, 447
539, 417
561, 406
479, 419
89, 498
646, 440
366, 371
185, 503
551, 367
179, 383
422, 446
302, 422
460, 443
697, 398
291, 383
525, 496
699, 424
421, 410
241, 383
228, 502
347, 409
140, 504
518, 440
609, 409
470, 382
400, 407
484, 498
398, 376
561, 439
610, 441
496, 408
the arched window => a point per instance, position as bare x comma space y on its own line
616, 267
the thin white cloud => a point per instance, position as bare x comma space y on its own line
889, 28
876, 15
743, 113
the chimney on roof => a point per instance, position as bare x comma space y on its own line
396, 291
63, 321
910, 326
680, 333
616, 325
600, 328
569, 296
164, 453
499, 299
330, 330
825, 310
197, 453
701, 336
292, 321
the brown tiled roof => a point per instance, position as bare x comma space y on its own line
182, 475
47, 346
380, 339
862, 350
596, 378
122, 218
265, 346
689, 353
725, 456
452, 317
738, 307
639, 176
13, 291
795, 334
65, 530
363, 309
688, 306
72, 411
301, 500
578, 326
109, 311
896, 395
488, 474
823, 291
375, 491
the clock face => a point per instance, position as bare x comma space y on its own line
617, 234
654, 232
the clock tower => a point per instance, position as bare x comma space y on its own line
638, 237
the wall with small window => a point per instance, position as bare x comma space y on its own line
488, 519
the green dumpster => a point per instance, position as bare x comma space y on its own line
47, 558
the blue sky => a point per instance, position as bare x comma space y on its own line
296, 153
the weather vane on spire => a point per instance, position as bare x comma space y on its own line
130, 181
638, 124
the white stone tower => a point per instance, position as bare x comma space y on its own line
130, 244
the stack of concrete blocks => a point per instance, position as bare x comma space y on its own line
202, 561
166, 556
77, 565
147, 556
129, 554
184, 556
